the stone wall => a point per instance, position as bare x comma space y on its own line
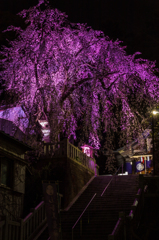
76, 176
71, 174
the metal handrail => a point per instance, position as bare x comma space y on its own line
83, 213
110, 182
123, 227
91, 201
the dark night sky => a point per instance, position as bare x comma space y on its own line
135, 22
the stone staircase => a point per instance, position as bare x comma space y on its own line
103, 211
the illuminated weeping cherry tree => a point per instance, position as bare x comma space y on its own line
70, 74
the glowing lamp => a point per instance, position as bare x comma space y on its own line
45, 130
43, 123
88, 150
155, 112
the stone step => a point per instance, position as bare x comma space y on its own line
103, 211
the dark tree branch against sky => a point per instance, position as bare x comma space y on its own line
134, 22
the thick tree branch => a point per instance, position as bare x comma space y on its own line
73, 87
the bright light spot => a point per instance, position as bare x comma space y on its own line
135, 203
87, 151
43, 123
46, 132
126, 173
155, 112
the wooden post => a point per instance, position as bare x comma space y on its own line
122, 215
72, 233
33, 221
141, 181
111, 237
153, 142
67, 147
1, 226
128, 226
6, 228
88, 215
81, 227
21, 228
43, 216
37, 218
13, 233
59, 140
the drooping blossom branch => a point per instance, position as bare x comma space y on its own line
70, 74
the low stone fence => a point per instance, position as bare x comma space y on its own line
66, 149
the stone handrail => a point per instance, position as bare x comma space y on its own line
75, 153
66, 149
